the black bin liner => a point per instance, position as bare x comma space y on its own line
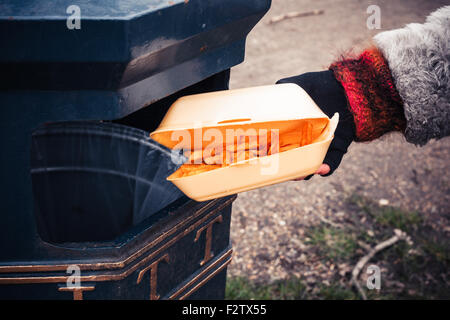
94, 180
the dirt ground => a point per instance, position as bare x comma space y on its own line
274, 229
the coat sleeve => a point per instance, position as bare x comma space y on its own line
418, 56
402, 83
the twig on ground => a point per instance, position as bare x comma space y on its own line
399, 235
295, 14
325, 220
364, 245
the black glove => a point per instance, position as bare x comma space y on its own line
329, 95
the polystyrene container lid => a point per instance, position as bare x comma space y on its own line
264, 104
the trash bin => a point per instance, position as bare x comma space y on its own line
82, 194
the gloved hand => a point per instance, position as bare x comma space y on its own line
329, 95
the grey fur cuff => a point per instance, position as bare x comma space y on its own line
419, 59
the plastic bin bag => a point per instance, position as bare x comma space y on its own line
94, 180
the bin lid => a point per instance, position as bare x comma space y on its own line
123, 54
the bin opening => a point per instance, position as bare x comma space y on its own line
94, 180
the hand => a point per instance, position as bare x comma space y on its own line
329, 95
323, 170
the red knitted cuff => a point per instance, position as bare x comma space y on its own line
376, 105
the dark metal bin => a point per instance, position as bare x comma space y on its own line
124, 66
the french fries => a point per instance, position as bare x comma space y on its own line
245, 148
193, 169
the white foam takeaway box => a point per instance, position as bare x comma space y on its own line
283, 107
